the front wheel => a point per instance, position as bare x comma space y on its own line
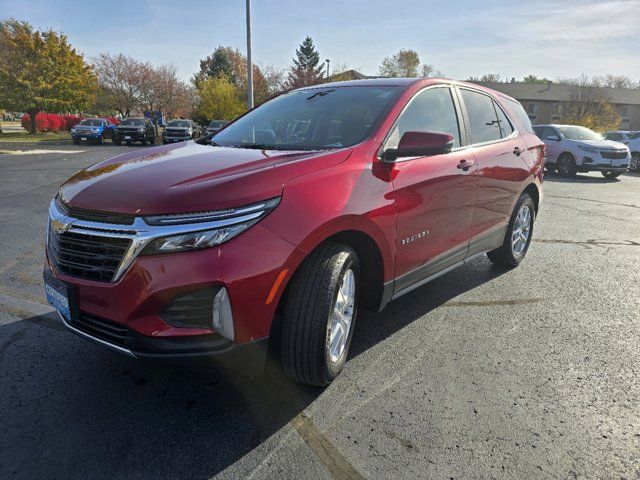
567, 166
518, 236
319, 314
611, 175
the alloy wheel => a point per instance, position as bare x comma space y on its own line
521, 231
340, 321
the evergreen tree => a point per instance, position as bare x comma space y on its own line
306, 69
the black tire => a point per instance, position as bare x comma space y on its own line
635, 162
566, 166
311, 297
100, 139
611, 175
505, 255
143, 142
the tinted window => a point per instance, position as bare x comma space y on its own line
91, 122
634, 135
483, 121
618, 137
518, 109
431, 110
506, 128
311, 119
548, 133
132, 121
179, 123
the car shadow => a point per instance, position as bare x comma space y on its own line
579, 178
74, 410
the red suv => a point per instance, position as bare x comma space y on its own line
319, 202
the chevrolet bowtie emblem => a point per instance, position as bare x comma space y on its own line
61, 226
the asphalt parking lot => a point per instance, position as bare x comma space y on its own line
484, 373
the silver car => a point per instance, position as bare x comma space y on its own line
572, 149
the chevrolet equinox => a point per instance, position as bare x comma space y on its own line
275, 232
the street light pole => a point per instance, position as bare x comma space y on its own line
249, 63
327, 68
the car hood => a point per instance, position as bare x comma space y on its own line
600, 144
190, 177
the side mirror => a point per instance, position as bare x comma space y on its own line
420, 144
554, 138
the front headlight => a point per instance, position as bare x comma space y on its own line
141, 129
588, 149
207, 229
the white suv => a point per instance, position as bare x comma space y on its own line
631, 140
572, 149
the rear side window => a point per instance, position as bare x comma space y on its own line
431, 110
634, 136
506, 128
483, 120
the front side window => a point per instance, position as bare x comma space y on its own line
615, 136
431, 110
634, 135
483, 120
549, 133
313, 118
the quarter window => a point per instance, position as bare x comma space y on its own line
431, 110
504, 124
484, 125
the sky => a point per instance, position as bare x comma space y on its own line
553, 39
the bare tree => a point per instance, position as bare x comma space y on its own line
121, 79
487, 77
617, 81
589, 105
162, 91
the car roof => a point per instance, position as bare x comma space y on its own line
406, 83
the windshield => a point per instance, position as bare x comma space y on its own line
91, 122
312, 119
217, 124
579, 133
179, 123
132, 121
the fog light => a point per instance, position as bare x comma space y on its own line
222, 316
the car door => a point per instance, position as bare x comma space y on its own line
552, 139
504, 163
434, 195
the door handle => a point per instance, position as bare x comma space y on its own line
465, 165
517, 151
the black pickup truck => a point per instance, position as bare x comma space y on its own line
135, 130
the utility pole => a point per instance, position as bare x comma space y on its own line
327, 68
249, 63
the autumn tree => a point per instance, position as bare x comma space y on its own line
41, 71
219, 100
121, 79
589, 106
161, 90
307, 68
487, 77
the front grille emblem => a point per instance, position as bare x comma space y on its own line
61, 226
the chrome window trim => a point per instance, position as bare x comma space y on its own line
141, 233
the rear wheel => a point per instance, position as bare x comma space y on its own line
635, 161
518, 236
567, 166
319, 315
611, 175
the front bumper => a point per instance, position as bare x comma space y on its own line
173, 139
129, 315
82, 135
246, 358
133, 136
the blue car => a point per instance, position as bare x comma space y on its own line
95, 130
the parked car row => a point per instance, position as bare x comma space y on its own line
572, 149
142, 130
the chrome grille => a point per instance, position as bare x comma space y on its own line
91, 257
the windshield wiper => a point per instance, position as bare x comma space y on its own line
320, 94
259, 146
